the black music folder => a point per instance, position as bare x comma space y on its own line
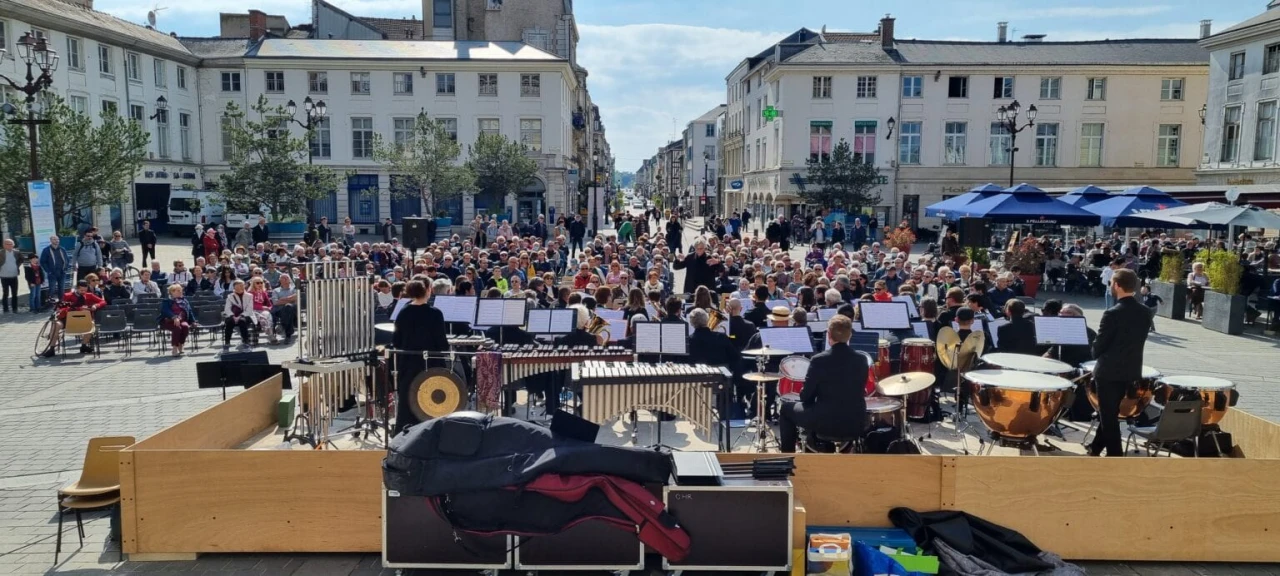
697, 469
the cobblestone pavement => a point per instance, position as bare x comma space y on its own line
49, 410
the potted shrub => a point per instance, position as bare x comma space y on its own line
1171, 287
1224, 307
1028, 257
979, 259
901, 237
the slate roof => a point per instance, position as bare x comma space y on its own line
842, 54
216, 47
842, 37
92, 19
930, 52
1270, 15
394, 28
399, 49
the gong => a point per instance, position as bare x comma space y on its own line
436, 392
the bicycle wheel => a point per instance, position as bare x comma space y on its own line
131, 273
42, 341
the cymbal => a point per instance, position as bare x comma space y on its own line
761, 377
947, 345
905, 384
385, 327
969, 350
765, 351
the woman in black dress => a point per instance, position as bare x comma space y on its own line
419, 327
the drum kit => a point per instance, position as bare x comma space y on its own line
763, 432
892, 408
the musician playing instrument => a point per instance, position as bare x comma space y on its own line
714, 349
740, 330
1122, 335
1019, 335
419, 328
759, 315
831, 402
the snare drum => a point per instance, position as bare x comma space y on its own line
1017, 404
1027, 363
794, 369
918, 355
882, 368
882, 412
1217, 394
1136, 397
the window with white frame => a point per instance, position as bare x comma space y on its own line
1231, 134
864, 141
1050, 87
1271, 59
402, 83
912, 86
184, 135
445, 84
819, 140
1171, 88
1235, 69
105, 65
866, 87
321, 141
1264, 144
161, 73
1003, 88
110, 107
79, 104
318, 82
490, 126
1168, 145
361, 137
137, 113
360, 83
909, 143
958, 87
229, 125
182, 78
162, 133
275, 81
488, 84
1091, 137
821, 86
277, 127
1097, 89
402, 131
230, 81
133, 67
450, 126
1046, 144
531, 134
999, 144
531, 85
540, 39
75, 51
954, 141
4, 34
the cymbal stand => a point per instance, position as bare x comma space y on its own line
763, 431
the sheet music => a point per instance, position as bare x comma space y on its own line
514, 311
617, 329
648, 338
674, 339
775, 303
456, 308
812, 317
562, 321
911, 305
400, 304
489, 312
825, 314
747, 304
885, 315
979, 324
794, 339
1061, 331
818, 326
539, 321
921, 329
608, 314
995, 331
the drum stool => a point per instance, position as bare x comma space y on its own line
843, 444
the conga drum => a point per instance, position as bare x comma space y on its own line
1136, 397
882, 412
1216, 394
793, 369
918, 355
1019, 405
883, 368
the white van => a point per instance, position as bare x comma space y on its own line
190, 207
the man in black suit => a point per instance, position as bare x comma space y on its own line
714, 349
1122, 335
700, 268
954, 300
740, 330
832, 400
1019, 335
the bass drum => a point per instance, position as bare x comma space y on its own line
794, 370
437, 392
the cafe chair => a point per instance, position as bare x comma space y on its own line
78, 323
97, 488
1179, 421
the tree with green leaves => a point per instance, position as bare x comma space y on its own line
426, 165
269, 164
89, 165
841, 181
501, 166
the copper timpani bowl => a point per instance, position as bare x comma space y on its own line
1214, 393
1016, 404
1137, 396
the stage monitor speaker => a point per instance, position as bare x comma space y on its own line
975, 232
415, 233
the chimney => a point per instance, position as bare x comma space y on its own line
1002, 32
1206, 28
257, 25
886, 31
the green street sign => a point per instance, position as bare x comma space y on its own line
769, 113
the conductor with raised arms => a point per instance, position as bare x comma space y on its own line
1122, 335
831, 401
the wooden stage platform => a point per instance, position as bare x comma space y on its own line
192, 488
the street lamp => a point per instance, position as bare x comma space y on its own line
706, 178
161, 105
1008, 117
595, 202
1204, 109
891, 123
37, 55
314, 112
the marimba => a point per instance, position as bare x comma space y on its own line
611, 389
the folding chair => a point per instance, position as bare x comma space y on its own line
77, 323
207, 320
113, 321
1179, 421
97, 488
146, 321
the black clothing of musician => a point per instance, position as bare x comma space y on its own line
712, 348
832, 401
1018, 337
699, 269
419, 327
1122, 336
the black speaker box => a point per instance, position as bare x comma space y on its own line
742, 525
415, 233
975, 232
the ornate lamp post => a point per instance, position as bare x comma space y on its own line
314, 112
37, 55
1008, 117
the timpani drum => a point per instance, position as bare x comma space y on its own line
793, 369
918, 355
1027, 363
883, 369
1016, 404
882, 412
1136, 396
1217, 394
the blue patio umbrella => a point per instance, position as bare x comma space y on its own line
1026, 204
1126, 209
1084, 196
945, 208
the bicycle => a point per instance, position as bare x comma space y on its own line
44, 339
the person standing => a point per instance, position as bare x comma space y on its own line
576, 231
10, 268
147, 240
1122, 335
388, 231
53, 259
674, 232
873, 226
261, 233
746, 218
35, 283
701, 268
88, 256
323, 232
121, 255
244, 238
420, 328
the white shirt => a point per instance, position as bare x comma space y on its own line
148, 287
11, 266
1107, 273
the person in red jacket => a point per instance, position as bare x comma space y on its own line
78, 299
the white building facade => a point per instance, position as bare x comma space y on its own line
702, 161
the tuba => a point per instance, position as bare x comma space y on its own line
714, 318
599, 327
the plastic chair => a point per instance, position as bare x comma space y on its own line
145, 321
207, 320
77, 323
113, 321
1179, 421
98, 486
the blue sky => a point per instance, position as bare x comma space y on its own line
652, 62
